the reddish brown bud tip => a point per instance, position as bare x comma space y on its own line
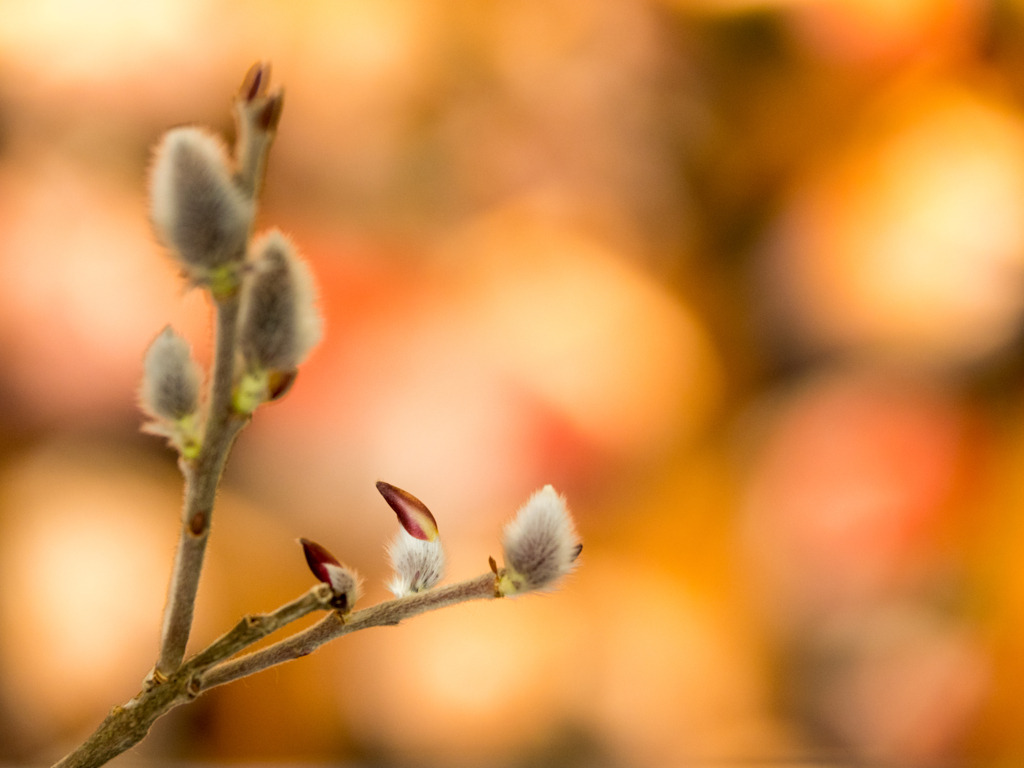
493, 564
280, 382
412, 513
318, 559
256, 81
344, 583
270, 115
576, 552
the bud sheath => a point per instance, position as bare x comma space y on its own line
412, 513
343, 581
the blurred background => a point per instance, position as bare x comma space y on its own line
744, 279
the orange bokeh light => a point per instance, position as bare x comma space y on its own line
82, 576
913, 241
84, 290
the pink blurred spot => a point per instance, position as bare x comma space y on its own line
847, 492
84, 292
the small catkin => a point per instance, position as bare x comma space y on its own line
198, 211
280, 323
172, 379
541, 544
418, 564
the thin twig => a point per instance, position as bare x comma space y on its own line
250, 629
201, 479
127, 725
334, 626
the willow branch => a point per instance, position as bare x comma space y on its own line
257, 113
127, 725
334, 626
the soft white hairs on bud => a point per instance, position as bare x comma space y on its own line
171, 379
198, 211
418, 564
346, 585
280, 322
541, 543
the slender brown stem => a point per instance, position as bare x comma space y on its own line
201, 479
333, 626
249, 629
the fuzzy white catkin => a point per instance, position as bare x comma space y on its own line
541, 543
171, 379
418, 564
280, 323
198, 211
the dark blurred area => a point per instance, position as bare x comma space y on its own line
744, 279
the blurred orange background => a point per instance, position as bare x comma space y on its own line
744, 279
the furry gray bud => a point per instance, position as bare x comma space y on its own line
279, 323
170, 386
198, 211
541, 544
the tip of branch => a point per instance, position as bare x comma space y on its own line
343, 581
255, 82
270, 115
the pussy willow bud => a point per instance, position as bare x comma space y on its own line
343, 581
418, 564
170, 387
412, 513
170, 391
198, 211
279, 322
541, 544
